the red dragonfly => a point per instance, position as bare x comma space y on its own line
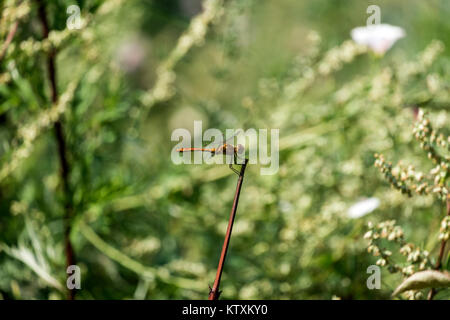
222, 149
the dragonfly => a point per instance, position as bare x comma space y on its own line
222, 148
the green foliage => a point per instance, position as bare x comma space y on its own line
143, 227
409, 180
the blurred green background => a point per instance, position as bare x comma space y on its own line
145, 228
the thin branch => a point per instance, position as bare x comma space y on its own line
441, 253
443, 242
62, 148
214, 292
8, 40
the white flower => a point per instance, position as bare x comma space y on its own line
379, 37
363, 207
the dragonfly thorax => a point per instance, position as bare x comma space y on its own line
226, 149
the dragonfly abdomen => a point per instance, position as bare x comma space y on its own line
196, 149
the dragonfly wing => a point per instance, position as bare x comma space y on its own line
230, 140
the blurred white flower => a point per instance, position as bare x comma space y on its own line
363, 207
131, 55
378, 37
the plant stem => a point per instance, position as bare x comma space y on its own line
214, 292
9, 38
441, 253
62, 148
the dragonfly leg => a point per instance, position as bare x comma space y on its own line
235, 171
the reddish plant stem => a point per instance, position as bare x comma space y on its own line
415, 111
443, 242
441, 253
9, 38
214, 292
62, 148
